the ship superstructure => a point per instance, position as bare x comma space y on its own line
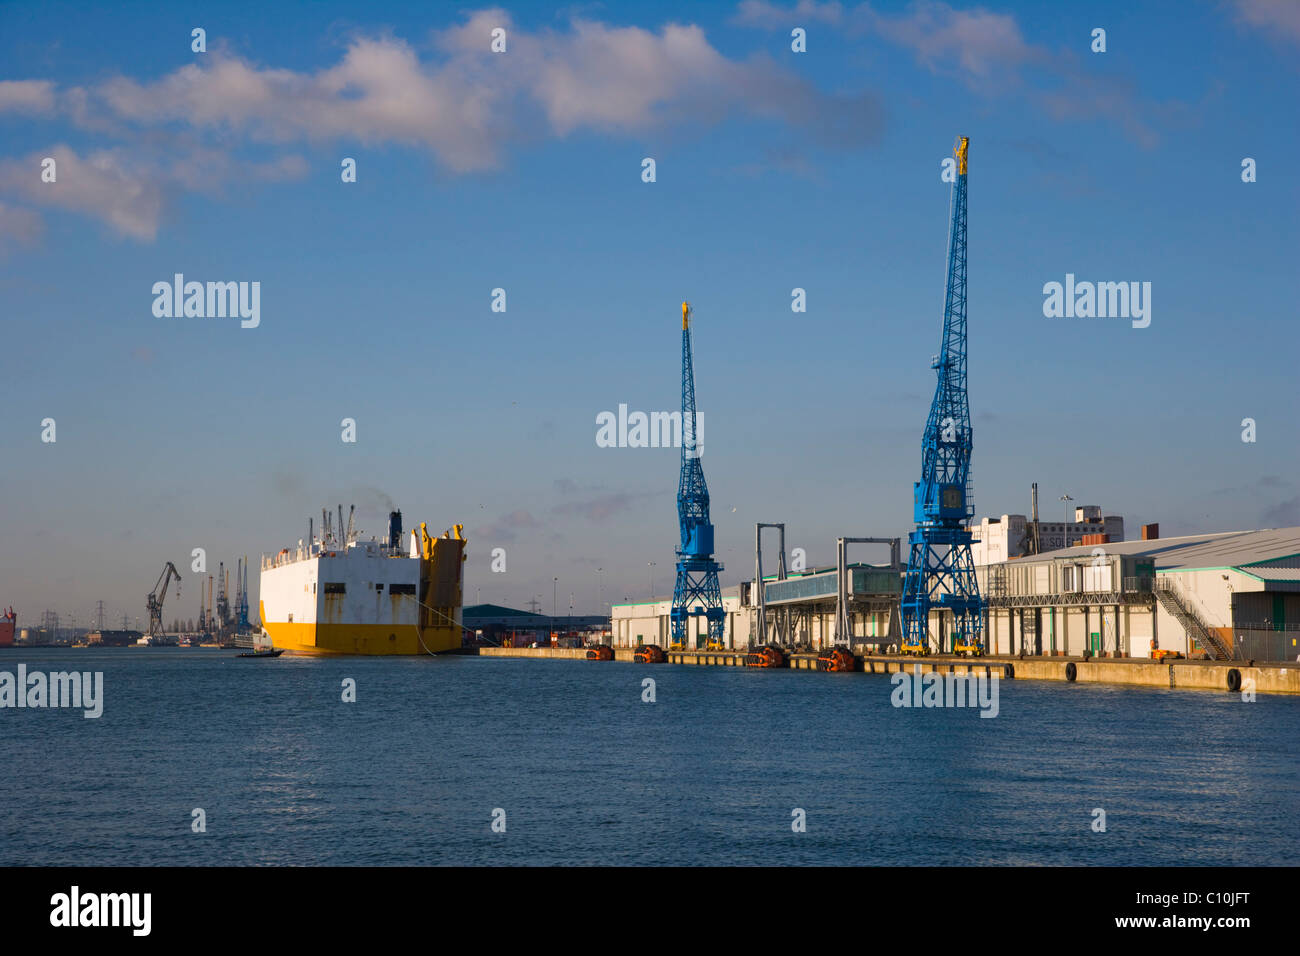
336, 594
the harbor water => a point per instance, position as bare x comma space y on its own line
588, 772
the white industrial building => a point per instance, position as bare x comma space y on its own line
1010, 536
647, 622
1229, 594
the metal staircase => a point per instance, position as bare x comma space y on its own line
1207, 636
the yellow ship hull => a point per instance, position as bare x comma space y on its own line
369, 639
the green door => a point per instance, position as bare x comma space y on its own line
1094, 642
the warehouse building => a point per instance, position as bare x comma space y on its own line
804, 608
648, 622
1226, 595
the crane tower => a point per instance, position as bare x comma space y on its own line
940, 572
697, 591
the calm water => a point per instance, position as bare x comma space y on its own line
589, 774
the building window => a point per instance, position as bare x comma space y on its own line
401, 589
335, 587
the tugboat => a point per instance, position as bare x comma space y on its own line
649, 654
263, 652
770, 655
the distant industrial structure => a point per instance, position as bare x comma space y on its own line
1014, 536
1225, 596
218, 620
492, 624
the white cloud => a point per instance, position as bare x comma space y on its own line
988, 52
26, 96
1279, 16
976, 43
468, 106
128, 189
461, 102
773, 16
103, 184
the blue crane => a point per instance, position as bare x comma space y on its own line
940, 572
696, 592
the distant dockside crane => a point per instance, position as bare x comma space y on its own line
158, 595
223, 598
242, 619
697, 591
940, 571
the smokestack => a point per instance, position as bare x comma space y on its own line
394, 529
1150, 532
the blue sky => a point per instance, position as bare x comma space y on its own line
521, 170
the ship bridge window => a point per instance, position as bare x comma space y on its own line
401, 589
335, 587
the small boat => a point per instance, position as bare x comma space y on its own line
263, 652
601, 652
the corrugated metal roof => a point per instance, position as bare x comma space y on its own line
1225, 549
1275, 575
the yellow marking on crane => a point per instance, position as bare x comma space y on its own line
959, 151
686, 311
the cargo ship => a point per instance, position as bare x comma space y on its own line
335, 594
7, 628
